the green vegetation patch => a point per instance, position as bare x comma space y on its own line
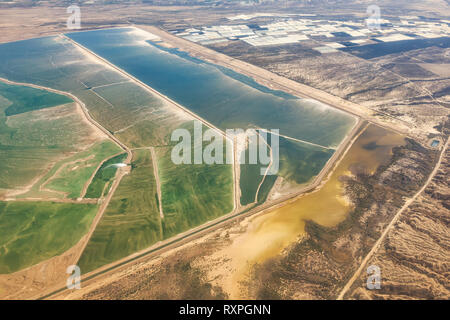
72, 176
300, 162
249, 181
193, 194
250, 177
266, 186
131, 222
31, 232
26, 99
32, 142
104, 174
135, 116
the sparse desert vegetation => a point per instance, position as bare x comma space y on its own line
99, 184
414, 258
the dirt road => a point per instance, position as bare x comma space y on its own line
158, 183
88, 183
121, 172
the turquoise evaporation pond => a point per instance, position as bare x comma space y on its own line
221, 96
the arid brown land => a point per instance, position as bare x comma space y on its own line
414, 258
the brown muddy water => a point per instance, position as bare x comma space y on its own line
269, 234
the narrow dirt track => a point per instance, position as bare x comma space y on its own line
158, 183
267, 170
121, 172
86, 185
299, 140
